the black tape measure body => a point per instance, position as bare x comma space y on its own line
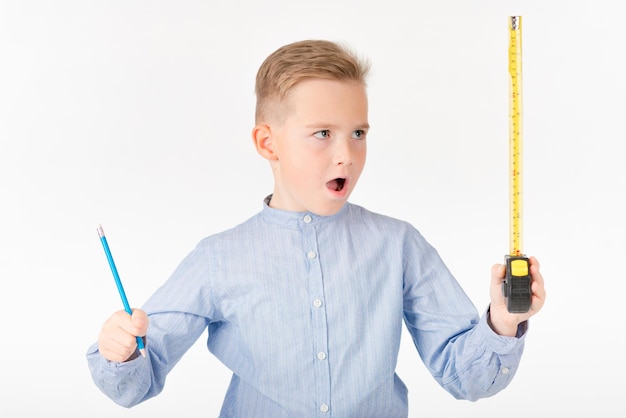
516, 286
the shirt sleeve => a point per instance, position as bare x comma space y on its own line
125, 383
178, 313
464, 355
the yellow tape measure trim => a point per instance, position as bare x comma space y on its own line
515, 134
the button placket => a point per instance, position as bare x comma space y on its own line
319, 324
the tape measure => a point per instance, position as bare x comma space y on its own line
515, 134
516, 286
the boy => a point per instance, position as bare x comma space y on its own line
304, 302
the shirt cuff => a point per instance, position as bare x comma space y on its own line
498, 343
96, 360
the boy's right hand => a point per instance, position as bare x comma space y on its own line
117, 341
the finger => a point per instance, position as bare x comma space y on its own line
115, 343
535, 270
135, 325
121, 329
537, 286
116, 350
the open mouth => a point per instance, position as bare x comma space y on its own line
336, 184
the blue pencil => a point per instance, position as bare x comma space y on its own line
118, 282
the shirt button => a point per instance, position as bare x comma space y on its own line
307, 219
324, 407
505, 370
321, 355
317, 303
311, 255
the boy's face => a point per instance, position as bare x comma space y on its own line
319, 150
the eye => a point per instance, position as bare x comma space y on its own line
322, 134
358, 134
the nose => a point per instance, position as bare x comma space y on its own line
342, 152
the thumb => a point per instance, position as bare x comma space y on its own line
140, 321
497, 278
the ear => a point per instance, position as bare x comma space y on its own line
262, 137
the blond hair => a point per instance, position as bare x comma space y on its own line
299, 61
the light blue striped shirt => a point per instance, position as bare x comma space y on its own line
307, 312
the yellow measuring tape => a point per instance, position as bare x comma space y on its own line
516, 287
515, 134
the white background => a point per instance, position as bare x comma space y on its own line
137, 115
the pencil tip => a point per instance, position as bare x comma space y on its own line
143, 352
100, 231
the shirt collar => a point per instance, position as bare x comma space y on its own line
297, 219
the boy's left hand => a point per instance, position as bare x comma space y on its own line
500, 319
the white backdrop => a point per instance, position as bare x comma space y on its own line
137, 115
